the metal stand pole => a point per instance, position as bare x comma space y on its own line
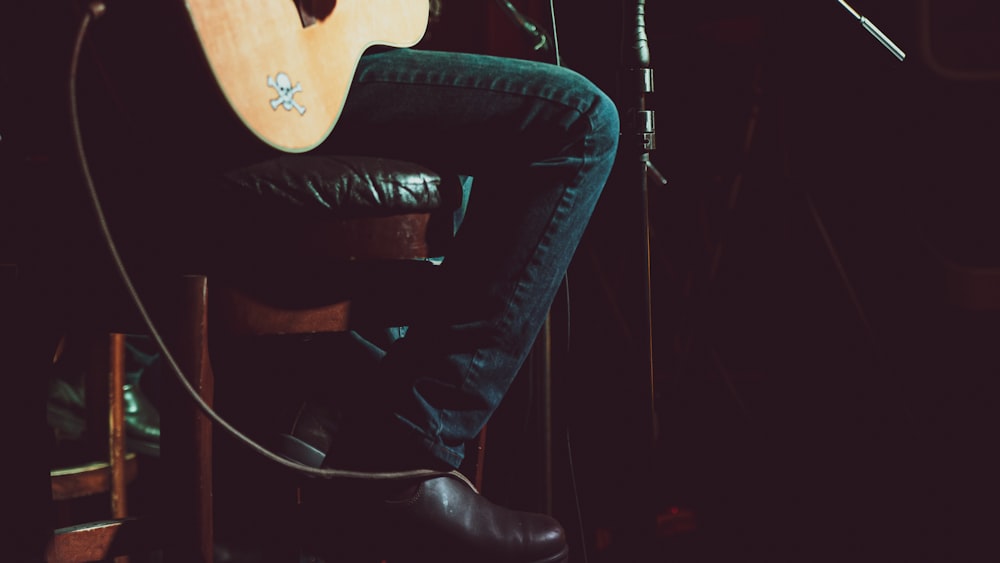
641, 126
637, 538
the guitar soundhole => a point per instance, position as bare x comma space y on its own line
314, 11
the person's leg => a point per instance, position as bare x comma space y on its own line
540, 142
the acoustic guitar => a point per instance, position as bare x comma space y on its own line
286, 66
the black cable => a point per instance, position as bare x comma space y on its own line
576, 496
94, 11
555, 33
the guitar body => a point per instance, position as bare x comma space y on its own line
287, 80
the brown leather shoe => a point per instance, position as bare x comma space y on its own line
441, 520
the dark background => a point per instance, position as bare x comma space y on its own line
821, 392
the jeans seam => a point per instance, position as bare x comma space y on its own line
561, 210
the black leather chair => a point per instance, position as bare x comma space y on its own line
296, 245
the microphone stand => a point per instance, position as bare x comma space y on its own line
871, 28
539, 37
640, 131
638, 140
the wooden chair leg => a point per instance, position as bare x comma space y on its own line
186, 450
118, 536
480, 459
116, 434
106, 411
116, 416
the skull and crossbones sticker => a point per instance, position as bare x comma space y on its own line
282, 84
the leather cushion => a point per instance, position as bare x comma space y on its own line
346, 186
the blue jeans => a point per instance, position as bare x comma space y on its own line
539, 141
